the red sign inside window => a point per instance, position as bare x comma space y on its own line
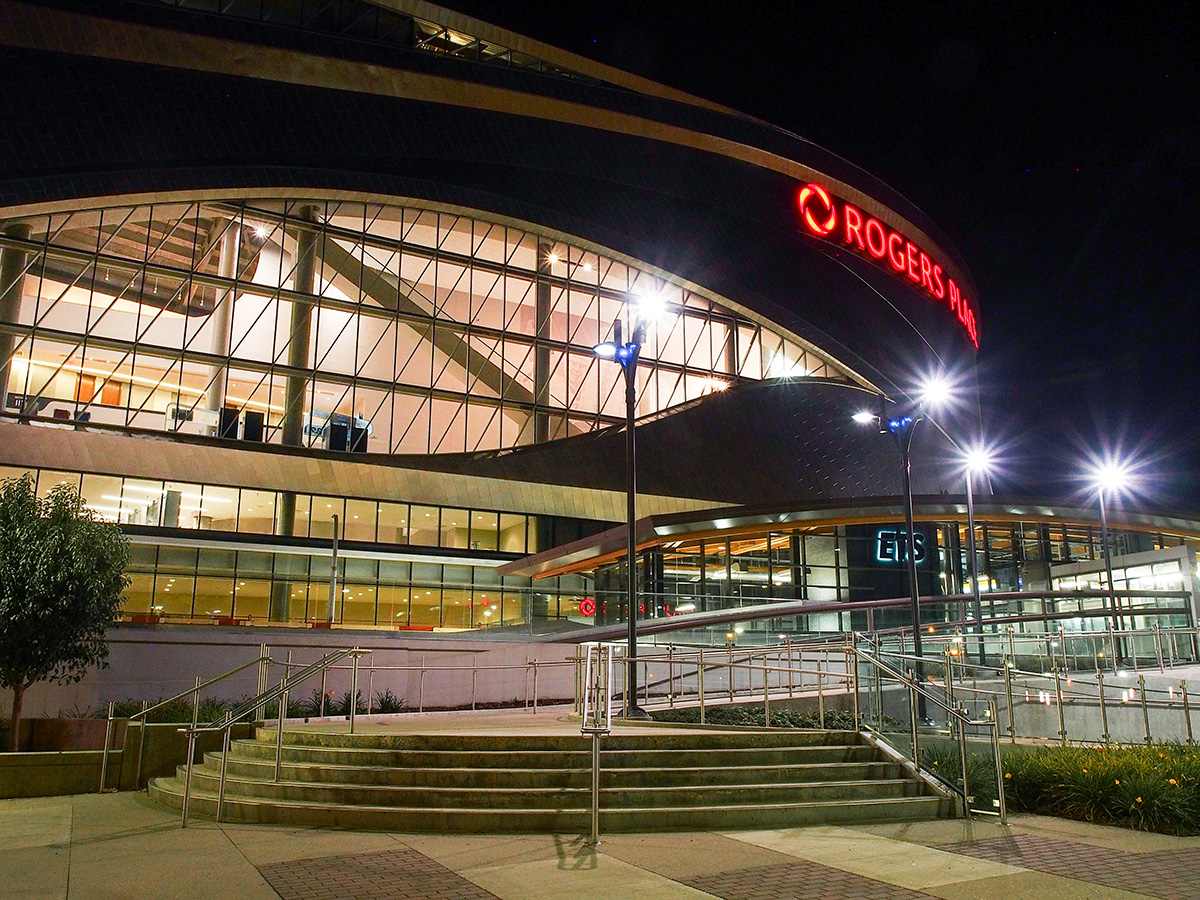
587, 607
836, 220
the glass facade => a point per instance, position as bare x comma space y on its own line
351, 326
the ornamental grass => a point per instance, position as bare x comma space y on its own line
1155, 787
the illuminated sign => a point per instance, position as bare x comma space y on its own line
587, 607
827, 217
892, 546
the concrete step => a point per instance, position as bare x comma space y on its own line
475, 820
647, 754
492, 797
562, 777
698, 739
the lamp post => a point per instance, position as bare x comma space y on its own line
627, 353
901, 428
976, 461
1110, 477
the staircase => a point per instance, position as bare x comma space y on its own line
679, 781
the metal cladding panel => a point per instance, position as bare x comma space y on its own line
764, 442
727, 225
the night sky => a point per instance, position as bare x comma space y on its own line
1055, 144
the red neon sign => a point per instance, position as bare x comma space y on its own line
875, 241
587, 607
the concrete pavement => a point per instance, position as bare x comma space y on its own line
124, 846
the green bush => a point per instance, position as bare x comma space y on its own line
981, 773
387, 702
1148, 787
835, 719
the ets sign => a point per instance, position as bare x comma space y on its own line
891, 546
836, 220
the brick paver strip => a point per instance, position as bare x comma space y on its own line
799, 880
400, 874
1170, 874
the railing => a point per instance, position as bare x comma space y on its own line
261, 661
888, 691
596, 713
250, 709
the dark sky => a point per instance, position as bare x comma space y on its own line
1057, 146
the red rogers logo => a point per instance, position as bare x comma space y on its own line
875, 241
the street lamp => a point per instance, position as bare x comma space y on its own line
1111, 476
901, 427
627, 353
976, 460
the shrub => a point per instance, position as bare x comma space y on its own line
835, 719
1151, 788
387, 702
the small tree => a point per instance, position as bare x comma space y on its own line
62, 571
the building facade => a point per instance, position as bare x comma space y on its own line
269, 270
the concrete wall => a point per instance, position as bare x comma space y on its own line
156, 661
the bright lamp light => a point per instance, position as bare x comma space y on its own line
978, 459
864, 417
1111, 476
935, 392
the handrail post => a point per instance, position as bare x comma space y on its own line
370, 683
224, 766
1008, 693
1187, 712
1000, 801
1058, 695
1158, 650
700, 685
1145, 709
282, 709
474, 679
948, 658
324, 673
196, 704
731, 673
912, 716
820, 696
187, 778
421, 686
535, 691
108, 730
852, 671
671, 675
263, 675
354, 657
766, 696
962, 758
137, 782
1103, 708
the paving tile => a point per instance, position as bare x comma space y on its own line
688, 854
37, 822
798, 880
1031, 886
1170, 874
585, 873
397, 874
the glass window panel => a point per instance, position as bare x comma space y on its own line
252, 599
456, 608
393, 523
455, 531
214, 596
256, 512
358, 605
216, 561
358, 570
102, 495
49, 479
251, 562
512, 533
485, 530
392, 605
173, 595
323, 511
138, 596
423, 527
426, 607
360, 520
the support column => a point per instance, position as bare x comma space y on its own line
299, 339
12, 287
222, 314
541, 351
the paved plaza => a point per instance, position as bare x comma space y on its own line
125, 846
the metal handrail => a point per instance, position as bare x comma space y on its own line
277, 694
956, 717
143, 713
